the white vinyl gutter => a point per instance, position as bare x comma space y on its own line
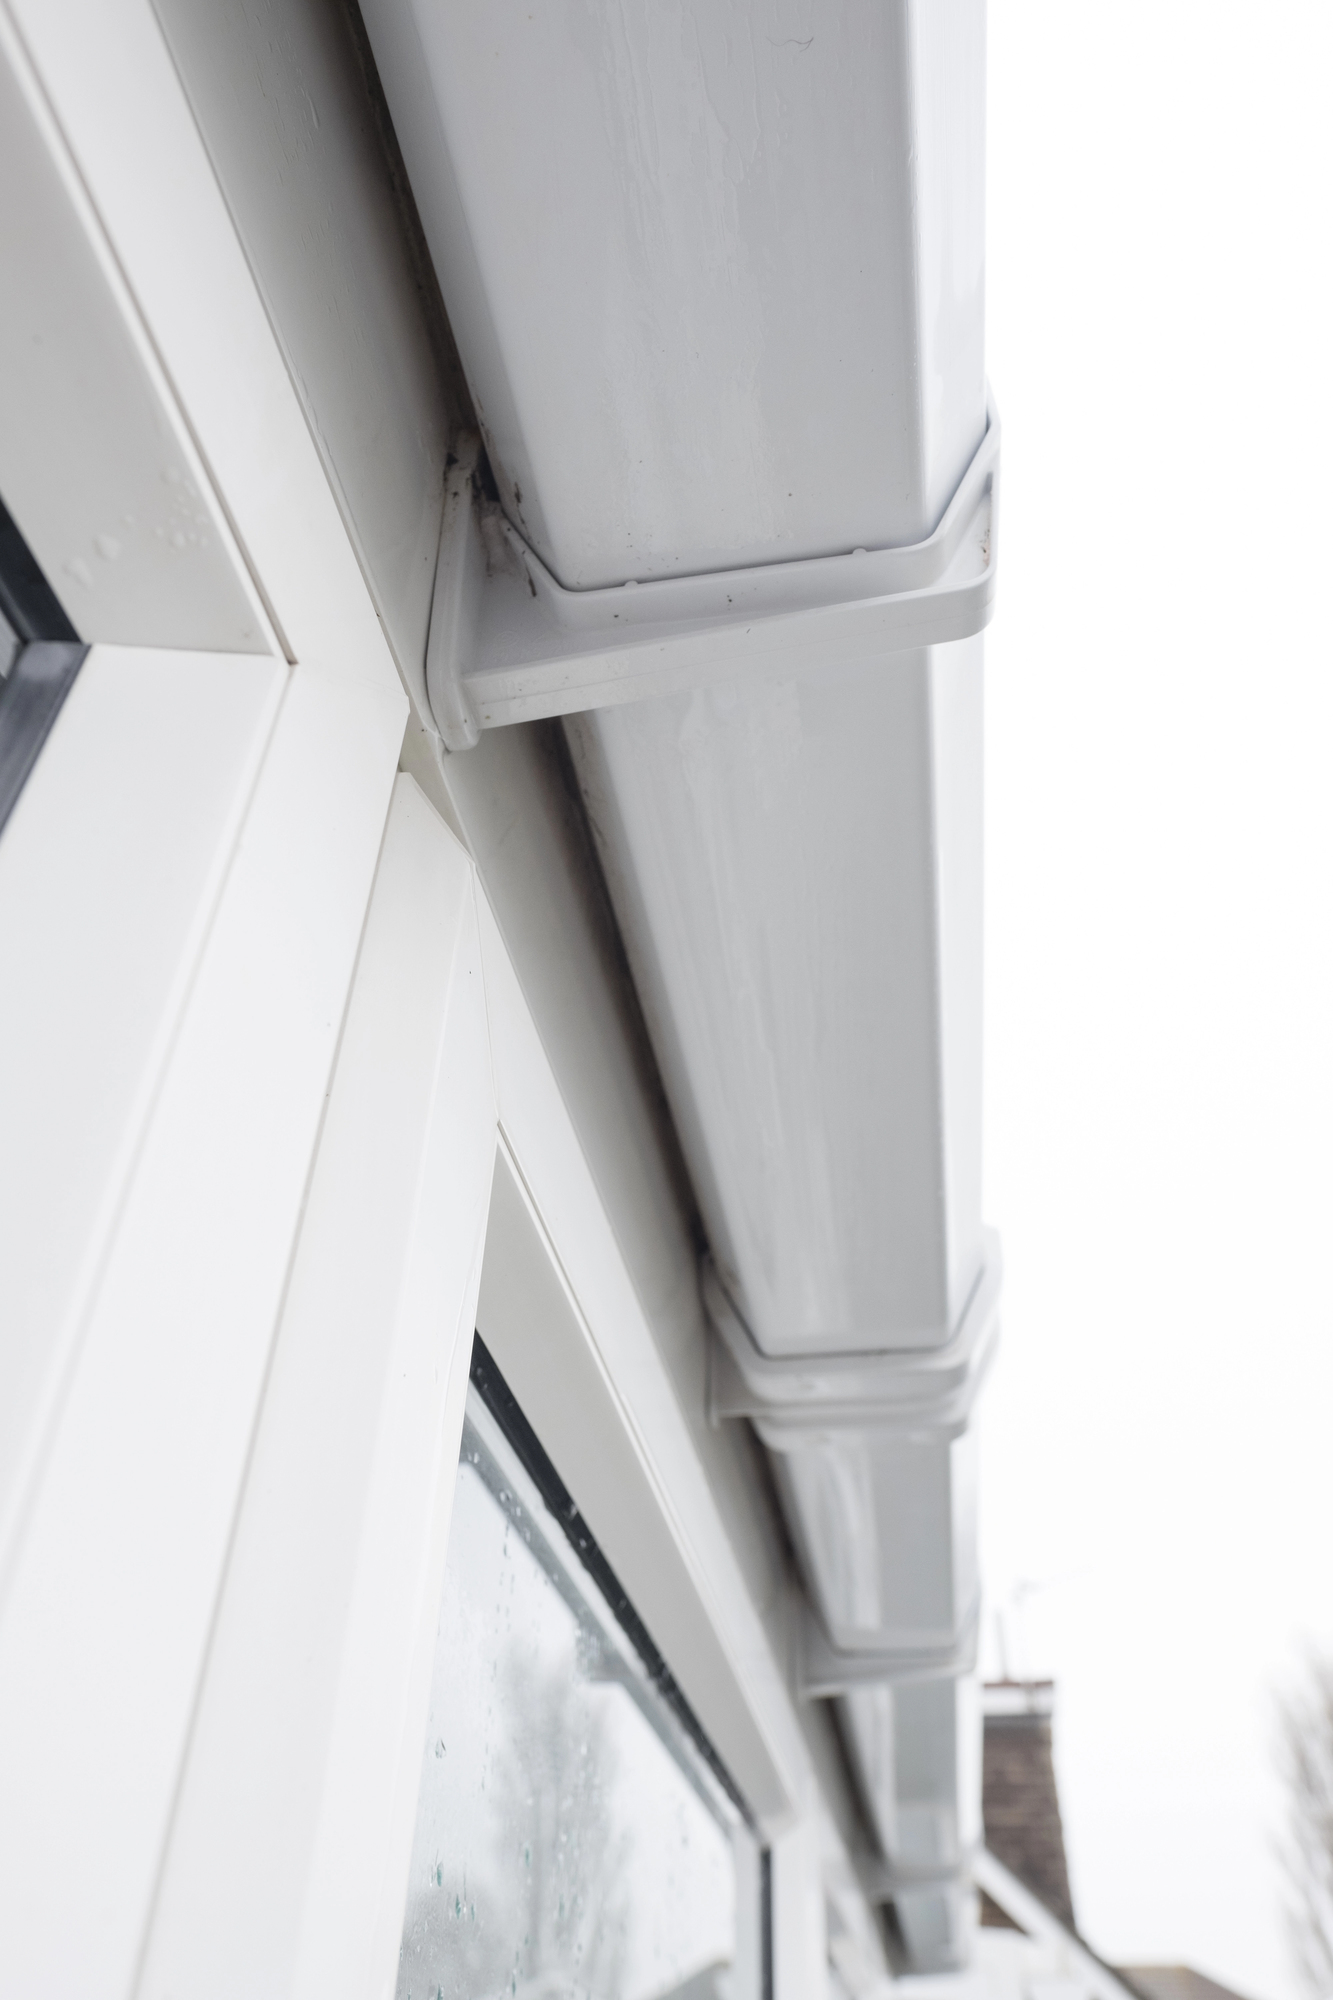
716, 278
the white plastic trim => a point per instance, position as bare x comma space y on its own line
509, 644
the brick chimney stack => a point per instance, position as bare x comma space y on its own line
1020, 1808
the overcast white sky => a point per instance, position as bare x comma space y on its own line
1159, 1436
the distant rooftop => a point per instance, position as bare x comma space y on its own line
1173, 1982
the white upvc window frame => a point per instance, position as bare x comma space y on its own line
335, 1141
228, 1559
169, 1029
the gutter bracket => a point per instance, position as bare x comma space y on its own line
912, 1391
825, 1669
508, 643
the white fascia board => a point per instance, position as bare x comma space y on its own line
105, 71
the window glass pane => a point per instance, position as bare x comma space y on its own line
570, 1839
